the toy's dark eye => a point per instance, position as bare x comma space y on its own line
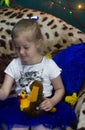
22, 92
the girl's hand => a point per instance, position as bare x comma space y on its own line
46, 105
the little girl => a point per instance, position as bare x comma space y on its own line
32, 65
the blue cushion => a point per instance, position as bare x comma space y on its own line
72, 62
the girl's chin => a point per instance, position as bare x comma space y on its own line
24, 62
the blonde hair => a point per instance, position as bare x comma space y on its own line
32, 30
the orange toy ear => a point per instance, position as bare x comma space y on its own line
34, 94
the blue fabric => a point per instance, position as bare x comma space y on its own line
10, 114
72, 62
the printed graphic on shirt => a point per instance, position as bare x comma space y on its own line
27, 78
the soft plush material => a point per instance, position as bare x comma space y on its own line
72, 62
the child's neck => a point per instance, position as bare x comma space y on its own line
38, 60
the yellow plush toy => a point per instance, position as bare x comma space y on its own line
30, 104
71, 99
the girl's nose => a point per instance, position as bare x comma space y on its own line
21, 51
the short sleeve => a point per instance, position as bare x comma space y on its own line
54, 69
10, 69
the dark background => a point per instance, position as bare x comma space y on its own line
65, 9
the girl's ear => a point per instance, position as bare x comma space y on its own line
40, 47
39, 43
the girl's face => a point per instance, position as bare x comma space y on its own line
27, 51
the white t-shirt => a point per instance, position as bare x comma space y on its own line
24, 75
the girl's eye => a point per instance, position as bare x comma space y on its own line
26, 48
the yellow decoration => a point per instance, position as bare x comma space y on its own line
48, 55
71, 99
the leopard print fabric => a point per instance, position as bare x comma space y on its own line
57, 33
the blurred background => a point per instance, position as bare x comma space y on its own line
71, 11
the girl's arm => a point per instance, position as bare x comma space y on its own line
49, 103
6, 87
59, 90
